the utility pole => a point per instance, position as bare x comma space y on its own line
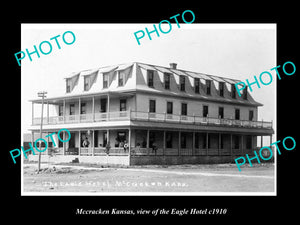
41, 94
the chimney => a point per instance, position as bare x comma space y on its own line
173, 65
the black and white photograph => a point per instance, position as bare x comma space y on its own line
160, 117
149, 111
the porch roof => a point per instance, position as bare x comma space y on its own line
59, 99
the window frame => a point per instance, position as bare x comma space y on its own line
105, 82
184, 110
197, 85
152, 108
167, 81
182, 82
208, 87
171, 103
150, 78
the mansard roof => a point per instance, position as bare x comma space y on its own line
135, 74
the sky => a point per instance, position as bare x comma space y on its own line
237, 51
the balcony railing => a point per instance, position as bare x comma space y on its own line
149, 116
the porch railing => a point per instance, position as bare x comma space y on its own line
149, 116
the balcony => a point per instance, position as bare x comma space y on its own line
149, 116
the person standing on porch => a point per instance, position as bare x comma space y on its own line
125, 146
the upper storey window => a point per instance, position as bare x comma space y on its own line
105, 80
71, 83
150, 75
245, 91
182, 83
121, 78
167, 80
233, 91
208, 87
68, 86
86, 83
197, 85
221, 89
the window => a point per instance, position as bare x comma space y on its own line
251, 115
103, 103
122, 104
96, 144
221, 113
83, 108
248, 142
196, 140
182, 83
169, 139
233, 91
236, 142
169, 107
152, 105
204, 143
183, 140
245, 93
205, 111
68, 86
150, 74
167, 80
208, 87
221, 89
184, 109
121, 78
60, 110
105, 80
72, 109
237, 114
221, 141
197, 85
86, 83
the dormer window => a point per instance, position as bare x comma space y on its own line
68, 86
150, 74
182, 83
167, 80
121, 78
208, 87
86, 83
245, 91
233, 91
221, 89
105, 80
197, 85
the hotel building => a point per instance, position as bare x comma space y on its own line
138, 113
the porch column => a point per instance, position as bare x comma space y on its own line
148, 141
206, 143
47, 112
179, 142
164, 142
32, 139
270, 139
93, 147
242, 143
64, 109
107, 136
93, 108
219, 143
193, 143
129, 141
261, 141
230, 144
79, 140
32, 106
108, 106
64, 143
79, 109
